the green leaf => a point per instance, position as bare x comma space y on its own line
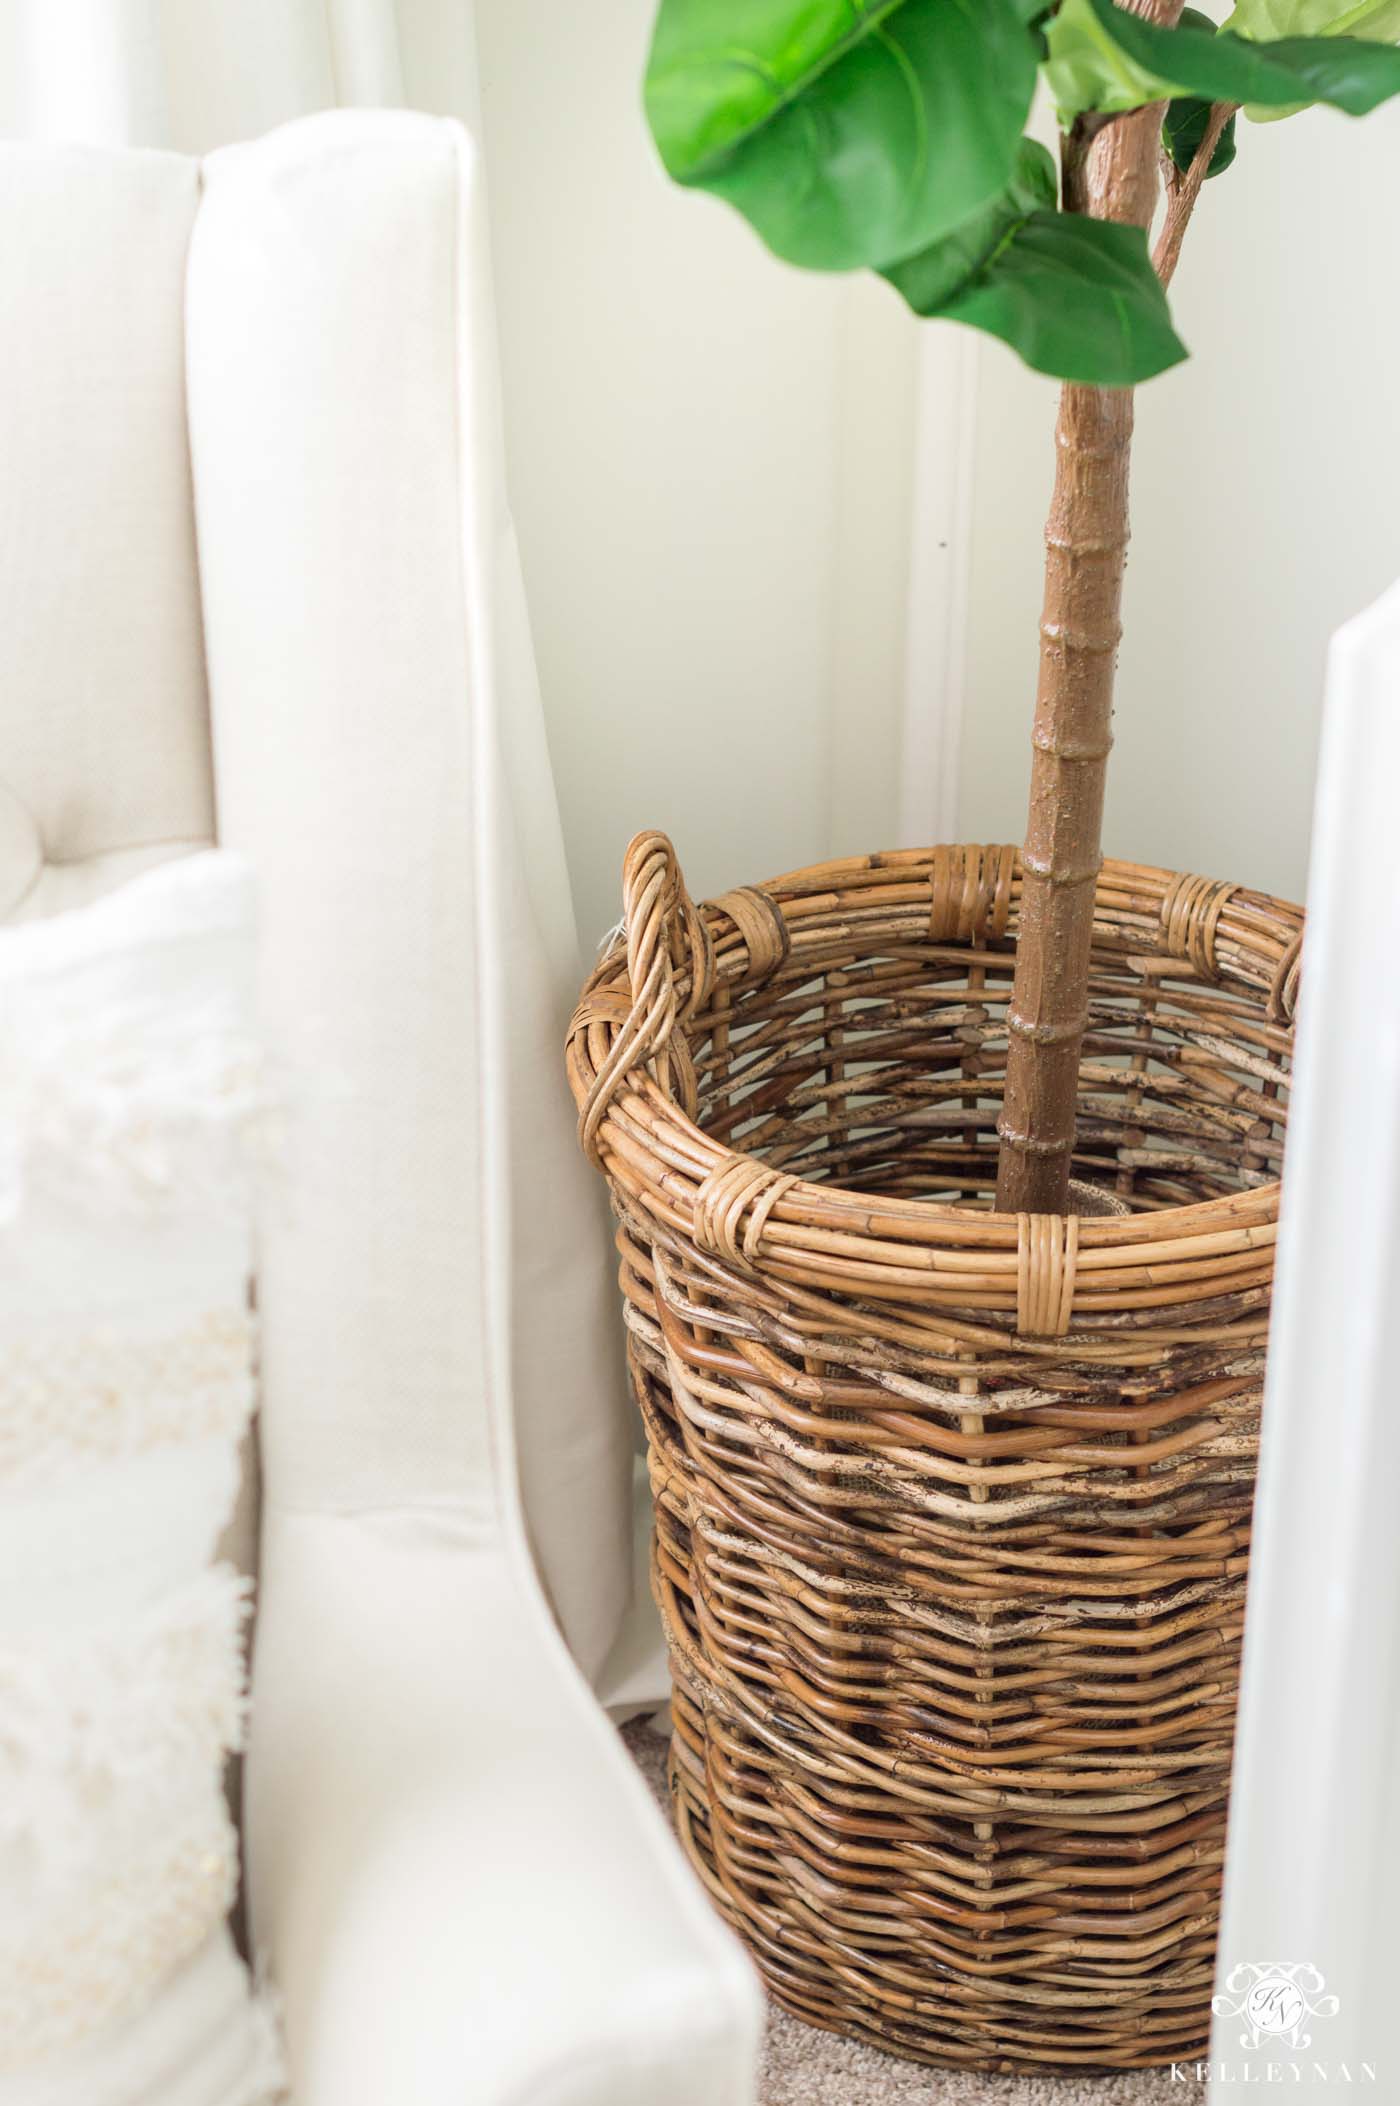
1147, 63
1183, 129
1035, 14
933, 276
1261, 20
847, 132
1076, 298
1087, 69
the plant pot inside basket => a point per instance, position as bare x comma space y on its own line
952, 1506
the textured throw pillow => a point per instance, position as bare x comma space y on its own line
129, 1107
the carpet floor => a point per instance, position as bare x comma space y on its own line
803, 2066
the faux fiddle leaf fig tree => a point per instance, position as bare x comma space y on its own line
889, 135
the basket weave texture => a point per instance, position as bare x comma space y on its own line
952, 1506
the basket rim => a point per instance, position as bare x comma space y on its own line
650, 1146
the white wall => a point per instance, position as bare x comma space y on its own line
708, 470
1265, 513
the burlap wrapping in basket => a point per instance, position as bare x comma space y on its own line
952, 1506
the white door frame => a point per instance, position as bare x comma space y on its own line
940, 550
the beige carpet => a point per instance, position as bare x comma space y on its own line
805, 2067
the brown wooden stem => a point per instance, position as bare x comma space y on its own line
1110, 175
1183, 193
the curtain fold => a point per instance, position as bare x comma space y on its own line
195, 74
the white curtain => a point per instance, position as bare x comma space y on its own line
195, 74
192, 75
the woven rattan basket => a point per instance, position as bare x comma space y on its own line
952, 1506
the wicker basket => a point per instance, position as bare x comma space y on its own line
952, 1506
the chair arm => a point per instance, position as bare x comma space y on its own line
461, 1886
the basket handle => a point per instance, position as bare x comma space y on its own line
670, 971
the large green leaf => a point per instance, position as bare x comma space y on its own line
1077, 298
1262, 20
933, 276
848, 132
1103, 58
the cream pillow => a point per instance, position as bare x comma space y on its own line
129, 1111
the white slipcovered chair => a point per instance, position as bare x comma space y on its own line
257, 579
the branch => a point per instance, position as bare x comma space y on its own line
1182, 195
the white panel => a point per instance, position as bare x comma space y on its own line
1313, 1862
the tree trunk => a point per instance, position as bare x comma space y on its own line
1114, 176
